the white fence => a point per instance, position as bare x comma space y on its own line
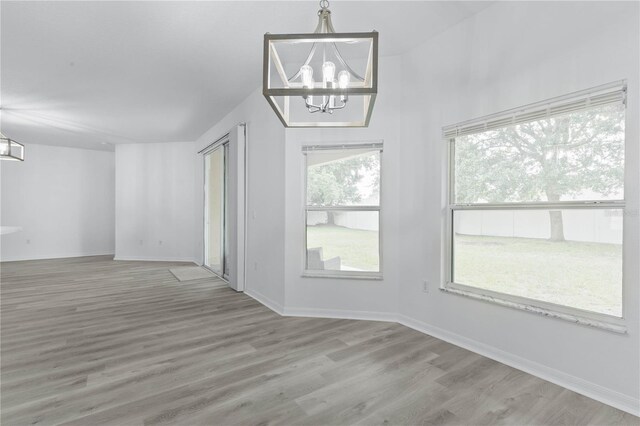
595, 225
367, 221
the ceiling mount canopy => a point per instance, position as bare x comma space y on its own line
345, 65
10, 149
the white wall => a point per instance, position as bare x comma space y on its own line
155, 201
63, 199
364, 298
274, 209
265, 196
511, 54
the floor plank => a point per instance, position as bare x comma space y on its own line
95, 341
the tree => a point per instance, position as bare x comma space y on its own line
569, 157
339, 182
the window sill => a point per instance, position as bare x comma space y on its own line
574, 318
342, 275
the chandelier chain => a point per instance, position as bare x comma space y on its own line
324, 4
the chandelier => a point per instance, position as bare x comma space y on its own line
10, 149
344, 93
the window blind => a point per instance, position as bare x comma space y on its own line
360, 146
602, 95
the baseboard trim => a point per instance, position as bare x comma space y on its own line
154, 259
340, 314
269, 303
576, 384
52, 257
319, 313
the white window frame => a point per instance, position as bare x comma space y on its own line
361, 275
220, 143
605, 94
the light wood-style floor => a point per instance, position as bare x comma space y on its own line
93, 341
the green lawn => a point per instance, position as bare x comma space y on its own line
582, 275
356, 248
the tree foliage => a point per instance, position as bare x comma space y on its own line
337, 182
576, 156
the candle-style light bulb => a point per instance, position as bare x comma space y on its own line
332, 99
328, 71
343, 79
306, 74
310, 85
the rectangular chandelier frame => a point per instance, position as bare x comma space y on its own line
10, 149
368, 88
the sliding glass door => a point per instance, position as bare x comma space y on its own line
216, 210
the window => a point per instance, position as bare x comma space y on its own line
342, 211
536, 204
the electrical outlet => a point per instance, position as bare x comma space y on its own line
425, 286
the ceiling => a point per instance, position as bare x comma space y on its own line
94, 74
